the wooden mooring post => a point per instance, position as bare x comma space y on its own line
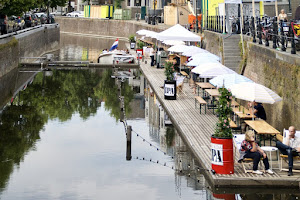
128, 146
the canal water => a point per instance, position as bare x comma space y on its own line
63, 136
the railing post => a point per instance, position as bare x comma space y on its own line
266, 33
259, 31
128, 139
274, 34
293, 50
282, 36
253, 30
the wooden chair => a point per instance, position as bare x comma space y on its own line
237, 140
282, 138
179, 85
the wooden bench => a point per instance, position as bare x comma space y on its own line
201, 102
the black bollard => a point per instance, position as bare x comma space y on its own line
282, 36
253, 30
128, 146
259, 31
266, 33
293, 51
274, 33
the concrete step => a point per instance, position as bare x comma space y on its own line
232, 61
226, 54
231, 48
231, 41
230, 58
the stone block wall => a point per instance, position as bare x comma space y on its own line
213, 42
115, 28
33, 43
281, 73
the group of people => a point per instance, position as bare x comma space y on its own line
290, 147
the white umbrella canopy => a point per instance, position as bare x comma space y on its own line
206, 54
255, 92
151, 34
210, 70
193, 51
177, 32
199, 60
228, 80
179, 48
142, 32
173, 42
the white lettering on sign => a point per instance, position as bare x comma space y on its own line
169, 90
217, 154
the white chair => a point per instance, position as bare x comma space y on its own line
179, 84
285, 157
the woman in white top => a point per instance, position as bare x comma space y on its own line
282, 16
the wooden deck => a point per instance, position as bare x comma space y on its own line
196, 130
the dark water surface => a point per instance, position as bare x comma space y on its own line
61, 137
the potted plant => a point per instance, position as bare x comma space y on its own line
222, 146
140, 44
170, 83
132, 41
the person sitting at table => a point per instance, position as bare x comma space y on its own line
251, 150
258, 110
177, 63
290, 147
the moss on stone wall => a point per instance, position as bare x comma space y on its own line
12, 43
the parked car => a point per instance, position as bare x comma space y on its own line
31, 20
43, 19
56, 13
7, 24
28, 20
76, 14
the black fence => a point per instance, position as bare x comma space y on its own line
262, 30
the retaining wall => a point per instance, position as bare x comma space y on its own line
32, 43
279, 71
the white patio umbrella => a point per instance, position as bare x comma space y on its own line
206, 54
194, 50
199, 60
179, 48
173, 42
177, 32
151, 34
142, 32
228, 80
254, 92
210, 70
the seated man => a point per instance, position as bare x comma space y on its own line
259, 110
290, 147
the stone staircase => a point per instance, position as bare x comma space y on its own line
232, 52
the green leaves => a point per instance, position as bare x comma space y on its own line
223, 112
169, 71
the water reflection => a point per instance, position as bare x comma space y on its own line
73, 47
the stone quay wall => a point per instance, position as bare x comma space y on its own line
104, 27
33, 43
279, 71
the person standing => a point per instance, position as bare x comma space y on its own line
251, 150
290, 147
282, 16
151, 53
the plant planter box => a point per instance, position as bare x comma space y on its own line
222, 155
132, 45
170, 90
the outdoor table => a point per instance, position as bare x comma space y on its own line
262, 128
204, 86
242, 113
234, 103
213, 93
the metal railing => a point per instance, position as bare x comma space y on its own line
264, 30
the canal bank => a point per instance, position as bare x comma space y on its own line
196, 129
31, 43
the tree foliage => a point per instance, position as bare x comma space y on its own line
19, 7
223, 112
